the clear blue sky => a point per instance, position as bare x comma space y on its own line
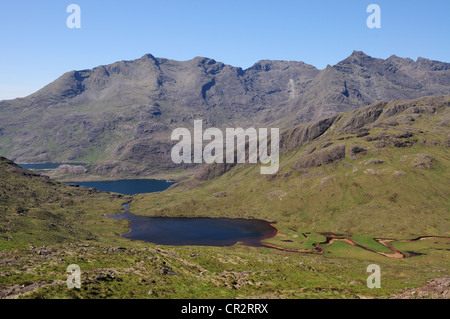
36, 46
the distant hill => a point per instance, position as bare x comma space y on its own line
120, 116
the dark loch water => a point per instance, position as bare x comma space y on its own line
197, 231
128, 186
47, 165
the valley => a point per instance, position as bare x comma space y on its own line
224, 158
369, 186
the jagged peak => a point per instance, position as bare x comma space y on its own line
396, 58
150, 57
268, 65
432, 64
357, 57
422, 60
356, 53
262, 65
203, 60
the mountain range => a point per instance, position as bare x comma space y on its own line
119, 117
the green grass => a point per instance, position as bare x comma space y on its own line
69, 222
358, 203
205, 272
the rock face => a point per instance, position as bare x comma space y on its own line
125, 112
327, 156
434, 289
356, 149
71, 169
212, 171
302, 134
374, 161
423, 161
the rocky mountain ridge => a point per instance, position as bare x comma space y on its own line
120, 116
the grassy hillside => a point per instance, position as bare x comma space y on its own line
35, 210
392, 180
390, 183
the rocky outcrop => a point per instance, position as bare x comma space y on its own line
305, 133
423, 161
212, 171
356, 149
327, 156
438, 288
71, 169
374, 161
363, 117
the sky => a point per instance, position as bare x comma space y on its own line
36, 45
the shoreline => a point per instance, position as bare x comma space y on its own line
257, 242
330, 238
88, 177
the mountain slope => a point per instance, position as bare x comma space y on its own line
120, 116
379, 171
36, 210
